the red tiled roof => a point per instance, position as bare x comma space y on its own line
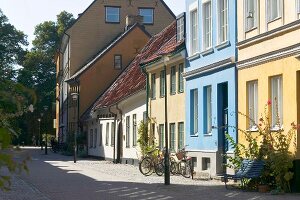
132, 79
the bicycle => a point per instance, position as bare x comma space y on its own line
153, 161
182, 164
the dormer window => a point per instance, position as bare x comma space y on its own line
112, 14
118, 62
148, 15
180, 28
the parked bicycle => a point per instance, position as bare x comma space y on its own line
152, 162
181, 163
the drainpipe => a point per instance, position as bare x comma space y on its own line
147, 90
120, 138
115, 119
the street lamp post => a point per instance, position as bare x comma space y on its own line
46, 147
41, 135
39, 120
75, 98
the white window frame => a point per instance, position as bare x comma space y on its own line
223, 27
127, 131
153, 86
152, 15
269, 9
162, 84
180, 143
194, 32
208, 109
173, 80
107, 134
112, 131
250, 14
107, 14
95, 137
172, 144
277, 105
252, 93
195, 113
206, 33
297, 8
161, 136
180, 29
91, 138
134, 130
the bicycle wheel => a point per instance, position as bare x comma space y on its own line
159, 168
173, 168
145, 166
185, 169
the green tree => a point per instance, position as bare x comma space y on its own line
12, 42
39, 67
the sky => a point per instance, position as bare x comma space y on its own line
26, 14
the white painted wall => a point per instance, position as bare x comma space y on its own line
135, 104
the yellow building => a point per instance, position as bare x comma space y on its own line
164, 69
269, 63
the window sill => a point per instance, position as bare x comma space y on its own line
252, 130
194, 56
194, 135
207, 51
154, 98
275, 129
208, 135
251, 29
162, 97
223, 45
180, 91
173, 93
112, 22
273, 20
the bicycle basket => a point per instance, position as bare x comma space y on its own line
180, 155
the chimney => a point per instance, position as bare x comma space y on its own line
132, 19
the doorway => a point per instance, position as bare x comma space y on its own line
222, 121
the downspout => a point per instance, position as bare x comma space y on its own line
115, 119
147, 90
119, 135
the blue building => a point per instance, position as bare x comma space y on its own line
211, 99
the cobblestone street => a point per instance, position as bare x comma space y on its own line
56, 177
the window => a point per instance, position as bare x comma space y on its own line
127, 131
180, 135
273, 9
207, 33
162, 83
161, 136
118, 62
298, 6
180, 78
112, 14
147, 14
194, 111
172, 137
100, 135
91, 137
112, 132
252, 105
145, 118
173, 80
250, 14
207, 110
153, 86
194, 31
107, 134
223, 20
95, 138
276, 99
134, 129
152, 136
180, 29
